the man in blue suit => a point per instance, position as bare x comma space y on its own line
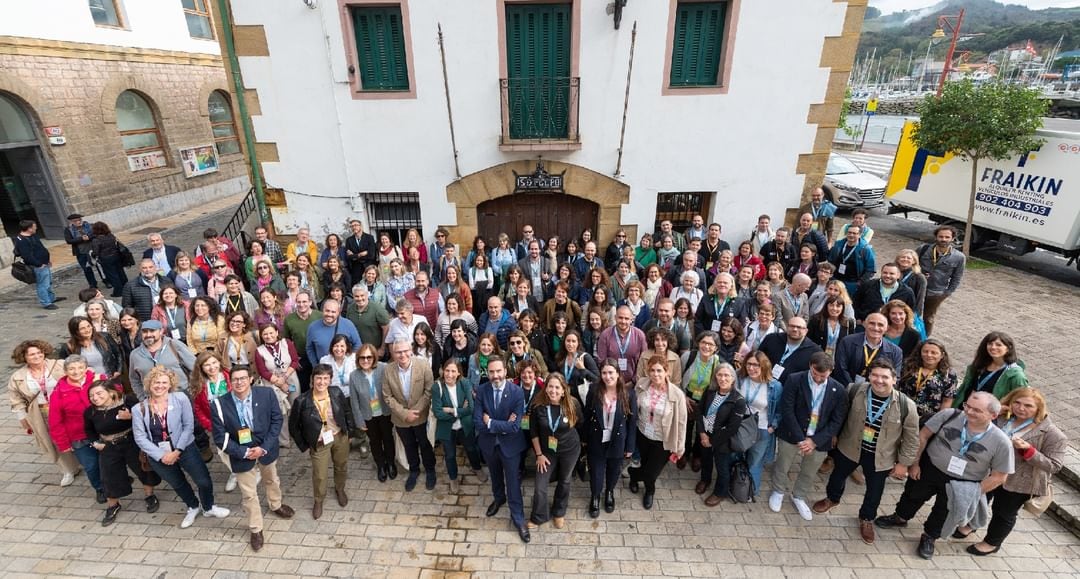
246, 424
497, 416
812, 410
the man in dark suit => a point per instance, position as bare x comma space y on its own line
812, 411
874, 293
164, 256
246, 424
855, 352
497, 414
360, 250
789, 352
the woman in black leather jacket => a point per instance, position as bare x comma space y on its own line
320, 422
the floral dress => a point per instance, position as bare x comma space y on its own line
929, 391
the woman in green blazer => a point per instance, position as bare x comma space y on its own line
452, 403
996, 369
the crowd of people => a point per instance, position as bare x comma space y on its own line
793, 352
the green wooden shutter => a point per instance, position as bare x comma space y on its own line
697, 42
380, 48
538, 69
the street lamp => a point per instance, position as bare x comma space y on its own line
953, 22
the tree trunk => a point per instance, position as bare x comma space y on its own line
971, 208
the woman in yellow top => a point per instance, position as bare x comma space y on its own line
302, 246
29, 389
206, 325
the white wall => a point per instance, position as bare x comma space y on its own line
744, 144
156, 24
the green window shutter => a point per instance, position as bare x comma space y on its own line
380, 48
697, 42
538, 69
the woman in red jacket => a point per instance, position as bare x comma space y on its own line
67, 426
746, 257
209, 380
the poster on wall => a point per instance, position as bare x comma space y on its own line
148, 160
199, 160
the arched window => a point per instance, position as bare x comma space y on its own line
15, 127
222, 125
139, 132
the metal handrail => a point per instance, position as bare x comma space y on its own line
541, 108
235, 228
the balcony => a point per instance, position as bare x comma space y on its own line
539, 114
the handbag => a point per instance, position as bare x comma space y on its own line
1038, 505
747, 434
23, 272
126, 258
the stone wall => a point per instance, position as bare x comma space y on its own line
91, 170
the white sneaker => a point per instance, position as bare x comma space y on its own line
189, 518
803, 508
216, 512
68, 480
230, 485
775, 501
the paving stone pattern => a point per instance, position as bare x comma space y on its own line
385, 531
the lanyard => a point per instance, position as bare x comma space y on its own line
702, 372
719, 309
833, 335
750, 399
869, 354
217, 388
532, 392
1010, 430
788, 351
965, 444
920, 380
987, 378
322, 406
163, 421
568, 365
885, 296
906, 276
552, 423
171, 312
816, 399
870, 416
815, 211
623, 347
241, 411
715, 406
845, 257
934, 256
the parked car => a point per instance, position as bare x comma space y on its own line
849, 187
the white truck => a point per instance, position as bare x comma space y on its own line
1027, 202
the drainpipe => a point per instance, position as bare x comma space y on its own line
245, 121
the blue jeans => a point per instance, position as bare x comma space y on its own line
722, 462
191, 463
44, 290
472, 452
88, 458
763, 451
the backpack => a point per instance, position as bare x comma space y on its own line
741, 487
746, 436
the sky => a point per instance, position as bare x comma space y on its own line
889, 6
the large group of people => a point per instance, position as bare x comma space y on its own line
785, 354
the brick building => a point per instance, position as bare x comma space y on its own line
116, 109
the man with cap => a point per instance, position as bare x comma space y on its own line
77, 234
158, 350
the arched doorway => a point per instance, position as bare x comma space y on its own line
26, 185
550, 214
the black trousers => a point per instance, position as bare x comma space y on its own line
417, 448
380, 431
561, 469
115, 460
653, 460
303, 373
1005, 506
875, 481
931, 484
604, 470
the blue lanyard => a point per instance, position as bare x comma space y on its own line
750, 399
965, 444
788, 351
832, 335
241, 411
716, 403
988, 377
1010, 430
870, 416
794, 302
844, 258
623, 347
815, 402
719, 309
568, 365
532, 392
881, 290
554, 425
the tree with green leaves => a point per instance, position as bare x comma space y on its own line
993, 121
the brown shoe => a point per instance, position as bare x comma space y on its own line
559, 522
530, 525
701, 487
680, 464
316, 510
713, 500
256, 541
858, 478
342, 498
827, 466
823, 506
866, 531
695, 464
284, 511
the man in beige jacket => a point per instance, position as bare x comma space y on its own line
881, 433
407, 390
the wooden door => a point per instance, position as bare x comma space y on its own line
549, 213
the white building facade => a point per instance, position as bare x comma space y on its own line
424, 113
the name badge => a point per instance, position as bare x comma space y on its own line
525, 422
376, 406
777, 371
716, 325
174, 333
165, 446
553, 443
622, 364
192, 292
841, 269
957, 466
813, 423
327, 437
868, 434
243, 436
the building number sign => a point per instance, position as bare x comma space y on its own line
539, 181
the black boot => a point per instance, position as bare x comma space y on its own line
594, 507
609, 502
391, 470
381, 473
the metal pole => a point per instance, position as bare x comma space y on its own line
952, 47
626, 98
866, 128
449, 111
245, 121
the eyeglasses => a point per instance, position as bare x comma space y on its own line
365, 358
529, 232
241, 378
231, 322
401, 352
219, 267
800, 328
437, 235
751, 365
516, 342
621, 236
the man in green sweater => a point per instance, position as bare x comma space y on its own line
296, 327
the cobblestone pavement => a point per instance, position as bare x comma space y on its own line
50, 531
